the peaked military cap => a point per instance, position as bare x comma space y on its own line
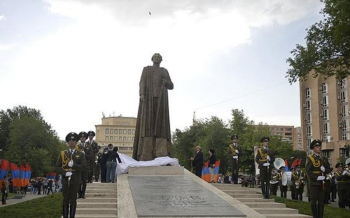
315, 143
265, 139
72, 136
282, 167
91, 133
234, 137
339, 164
212, 151
83, 134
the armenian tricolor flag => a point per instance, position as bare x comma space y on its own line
3, 170
15, 175
51, 175
206, 173
27, 174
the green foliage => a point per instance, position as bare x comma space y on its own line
304, 208
327, 49
216, 134
50, 207
30, 139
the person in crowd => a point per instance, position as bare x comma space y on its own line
283, 179
103, 163
197, 161
70, 164
112, 157
297, 187
49, 187
333, 186
45, 186
212, 161
95, 149
39, 185
317, 166
4, 190
341, 177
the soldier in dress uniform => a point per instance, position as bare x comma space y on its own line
348, 182
87, 150
70, 163
95, 149
97, 169
317, 166
341, 176
264, 158
297, 183
283, 179
274, 182
234, 150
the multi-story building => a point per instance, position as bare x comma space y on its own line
297, 139
325, 115
119, 131
285, 132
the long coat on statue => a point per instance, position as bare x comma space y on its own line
152, 136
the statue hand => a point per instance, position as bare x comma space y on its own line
164, 82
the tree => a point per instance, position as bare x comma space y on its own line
30, 139
327, 49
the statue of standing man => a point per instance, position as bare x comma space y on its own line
152, 136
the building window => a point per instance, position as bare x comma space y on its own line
325, 114
120, 131
115, 138
343, 96
343, 83
325, 101
106, 138
345, 125
111, 138
115, 131
326, 154
307, 93
308, 105
345, 136
111, 131
124, 131
133, 131
129, 131
129, 138
324, 87
107, 131
132, 138
308, 130
120, 138
124, 138
308, 118
326, 128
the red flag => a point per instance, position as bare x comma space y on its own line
4, 167
300, 162
295, 162
286, 168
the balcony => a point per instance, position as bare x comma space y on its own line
327, 146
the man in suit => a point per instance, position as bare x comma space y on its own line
70, 163
197, 161
234, 154
317, 166
95, 148
264, 158
87, 150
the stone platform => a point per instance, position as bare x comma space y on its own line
151, 193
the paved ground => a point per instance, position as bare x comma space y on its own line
28, 197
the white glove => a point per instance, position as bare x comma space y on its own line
320, 178
266, 164
68, 174
235, 157
70, 163
322, 168
237, 152
344, 173
301, 177
268, 158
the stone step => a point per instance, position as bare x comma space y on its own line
99, 211
245, 191
97, 194
245, 195
100, 190
96, 204
287, 216
98, 200
95, 216
260, 199
264, 205
276, 210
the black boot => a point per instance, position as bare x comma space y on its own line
83, 191
320, 211
314, 211
73, 207
65, 209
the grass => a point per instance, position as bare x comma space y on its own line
44, 207
304, 208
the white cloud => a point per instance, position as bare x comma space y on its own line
2, 17
6, 47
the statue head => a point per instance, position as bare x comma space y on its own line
157, 58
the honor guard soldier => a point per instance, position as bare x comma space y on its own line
317, 166
341, 176
297, 184
87, 150
234, 150
70, 163
347, 163
95, 149
264, 158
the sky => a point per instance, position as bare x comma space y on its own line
74, 60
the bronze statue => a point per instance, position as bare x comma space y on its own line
152, 136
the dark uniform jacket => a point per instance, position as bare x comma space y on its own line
88, 153
232, 150
313, 168
342, 179
79, 164
261, 158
